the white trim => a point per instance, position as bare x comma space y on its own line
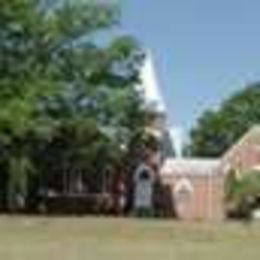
183, 184
140, 169
187, 167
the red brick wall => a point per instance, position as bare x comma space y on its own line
244, 158
205, 202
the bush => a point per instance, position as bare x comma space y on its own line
242, 193
78, 204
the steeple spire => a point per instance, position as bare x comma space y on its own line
149, 86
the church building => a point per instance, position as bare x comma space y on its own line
195, 186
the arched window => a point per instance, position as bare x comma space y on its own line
144, 175
143, 189
183, 190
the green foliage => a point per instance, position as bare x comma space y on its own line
218, 130
249, 185
67, 98
243, 192
231, 184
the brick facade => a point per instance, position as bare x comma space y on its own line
202, 197
245, 154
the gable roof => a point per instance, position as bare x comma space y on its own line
149, 86
251, 137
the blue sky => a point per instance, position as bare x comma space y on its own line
204, 49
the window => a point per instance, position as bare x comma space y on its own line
183, 190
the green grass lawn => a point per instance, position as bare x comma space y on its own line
113, 239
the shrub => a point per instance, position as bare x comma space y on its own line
242, 193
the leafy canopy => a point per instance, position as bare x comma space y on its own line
67, 93
217, 130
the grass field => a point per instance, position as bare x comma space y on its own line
24, 238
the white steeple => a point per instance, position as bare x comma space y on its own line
149, 86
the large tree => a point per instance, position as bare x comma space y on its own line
66, 88
217, 130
